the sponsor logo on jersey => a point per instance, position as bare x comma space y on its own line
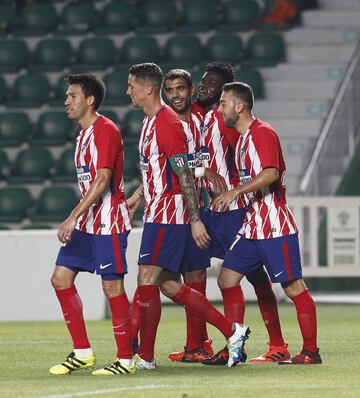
83, 173
196, 158
245, 176
144, 162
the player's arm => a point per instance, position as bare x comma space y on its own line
264, 179
218, 182
182, 170
135, 199
97, 188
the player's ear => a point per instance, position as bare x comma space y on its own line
239, 107
148, 89
90, 100
193, 90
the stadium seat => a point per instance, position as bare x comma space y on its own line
54, 204
77, 18
132, 126
31, 165
36, 19
7, 11
51, 55
181, 52
94, 54
254, 79
14, 203
225, 47
264, 49
3, 89
65, 167
116, 85
15, 127
13, 55
116, 17
30, 90
239, 15
4, 164
53, 128
59, 95
131, 162
197, 73
156, 16
137, 50
198, 16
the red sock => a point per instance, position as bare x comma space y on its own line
135, 316
120, 310
306, 314
199, 306
72, 309
196, 332
150, 313
269, 312
234, 304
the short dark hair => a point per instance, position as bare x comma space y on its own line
223, 69
148, 71
179, 74
243, 92
90, 85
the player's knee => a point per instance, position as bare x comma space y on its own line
198, 276
257, 277
57, 282
169, 288
294, 288
146, 276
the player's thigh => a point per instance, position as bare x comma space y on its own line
148, 274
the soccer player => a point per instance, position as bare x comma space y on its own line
220, 142
269, 234
94, 236
171, 214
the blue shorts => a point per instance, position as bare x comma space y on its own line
196, 258
164, 245
223, 228
103, 254
281, 257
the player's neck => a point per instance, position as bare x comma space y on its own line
153, 107
185, 116
88, 119
244, 123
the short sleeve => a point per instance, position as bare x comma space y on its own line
170, 135
267, 145
107, 142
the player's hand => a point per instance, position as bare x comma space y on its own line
201, 237
217, 181
66, 229
222, 202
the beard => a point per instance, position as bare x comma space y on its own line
208, 101
231, 120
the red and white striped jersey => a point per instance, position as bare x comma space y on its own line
100, 146
162, 137
219, 143
268, 215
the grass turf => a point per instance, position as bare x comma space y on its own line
28, 349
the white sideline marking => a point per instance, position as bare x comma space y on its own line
108, 391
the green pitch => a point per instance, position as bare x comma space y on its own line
28, 349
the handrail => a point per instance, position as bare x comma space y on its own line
304, 185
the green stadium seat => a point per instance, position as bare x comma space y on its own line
182, 52
7, 11
254, 79
198, 16
156, 16
13, 55
116, 85
95, 53
224, 47
30, 90
52, 128
197, 73
264, 49
131, 162
3, 90
4, 164
36, 19
59, 94
54, 204
116, 17
239, 15
132, 126
65, 167
15, 127
14, 203
77, 18
51, 55
31, 165
136, 50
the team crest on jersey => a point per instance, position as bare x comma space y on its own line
179, 161
204, 128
